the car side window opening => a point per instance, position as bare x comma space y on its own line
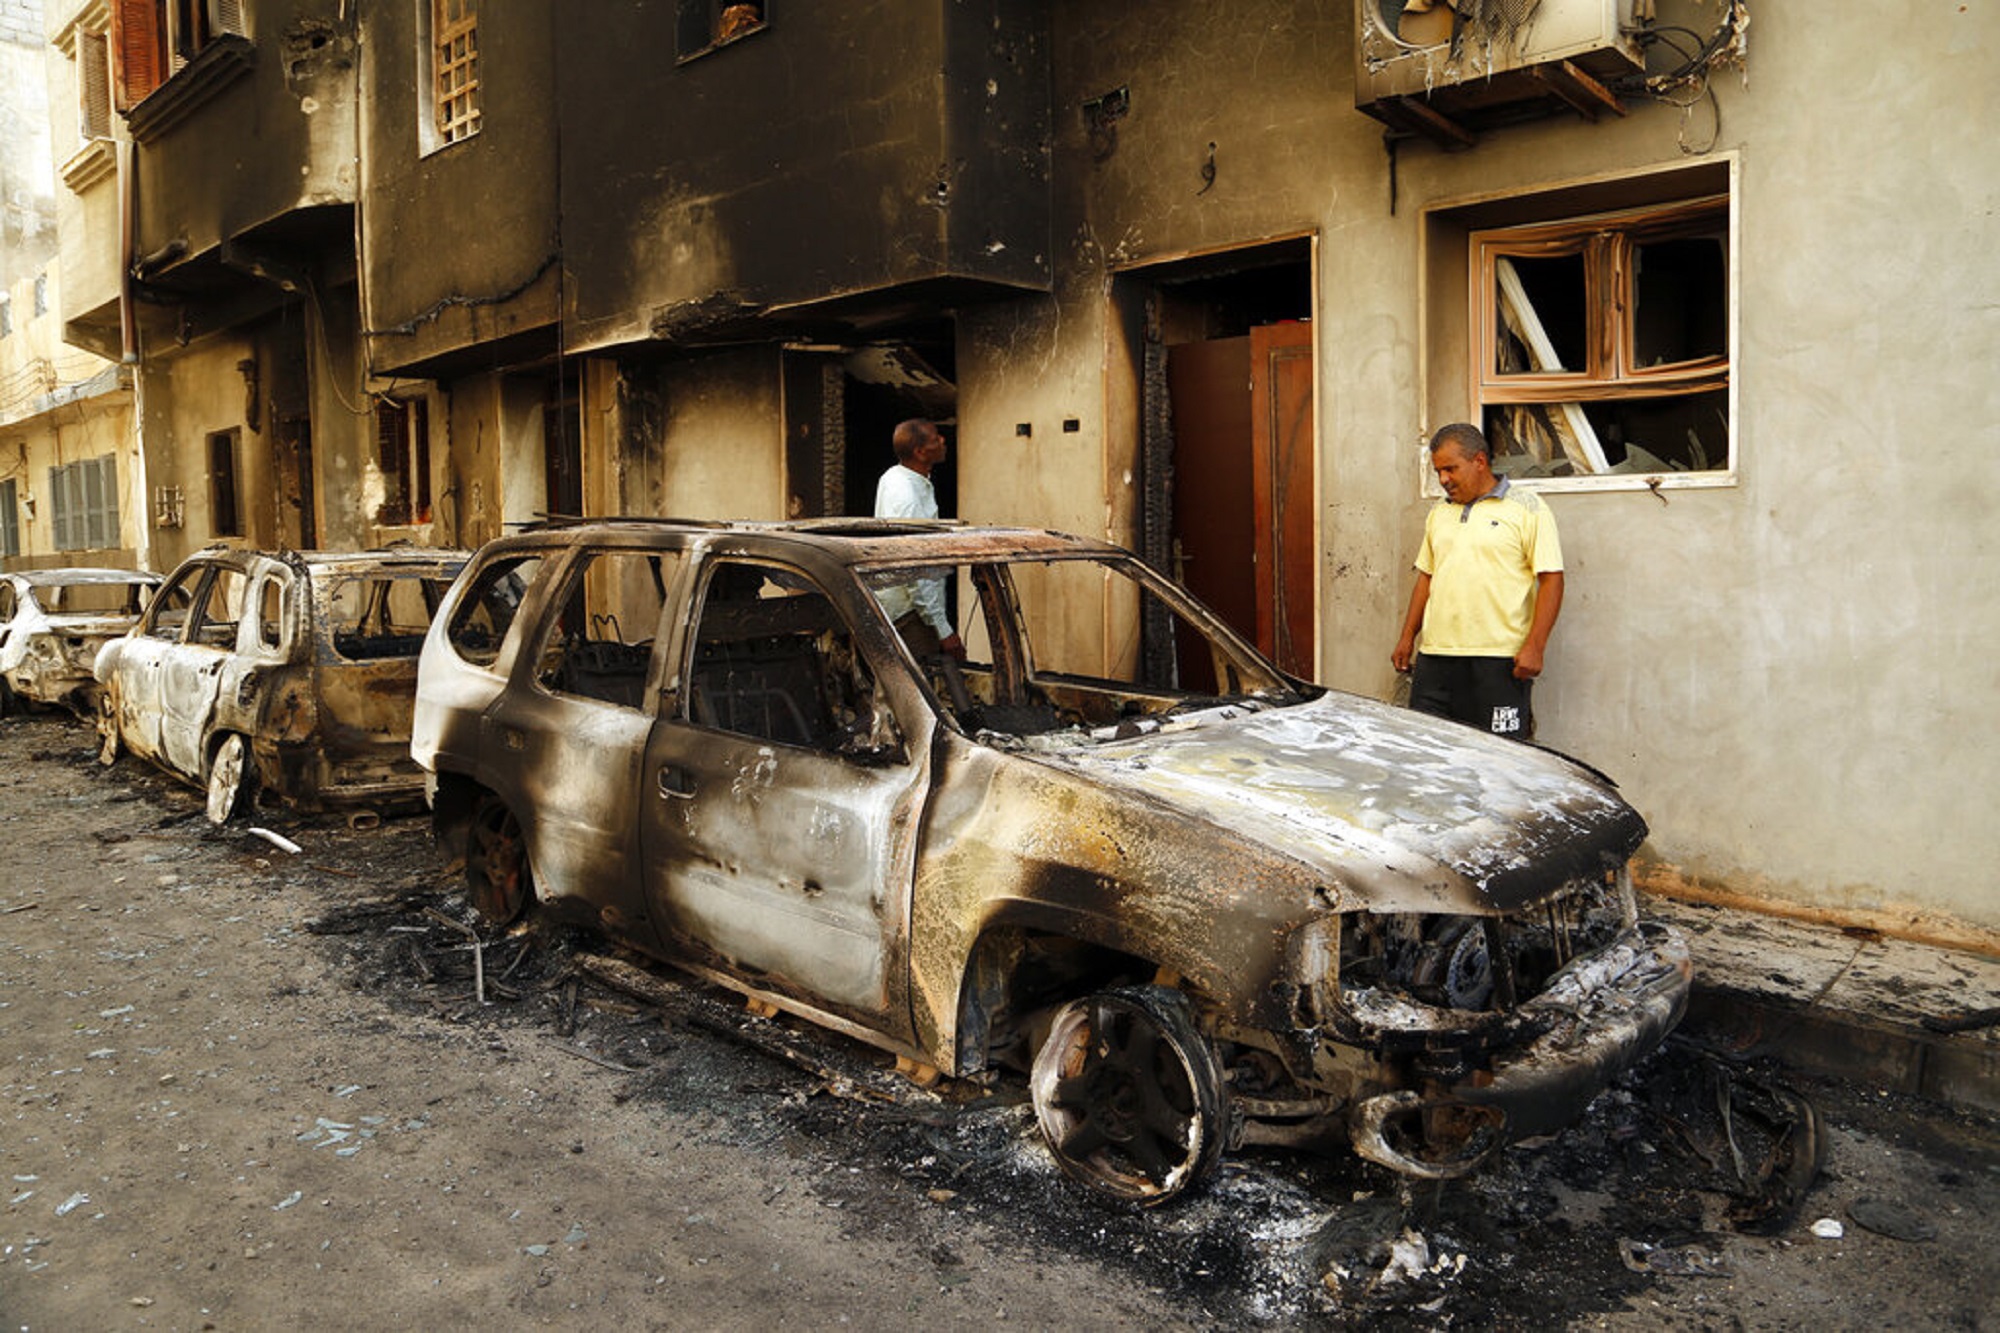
381, 617
599, 644
6, 604
774, 660
270, 613
166, 614
220, 611
487, 611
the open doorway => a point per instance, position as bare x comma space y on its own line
1228, 444
842, 405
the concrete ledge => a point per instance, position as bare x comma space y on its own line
1848, 1004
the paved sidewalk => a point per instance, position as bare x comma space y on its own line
1854, 1005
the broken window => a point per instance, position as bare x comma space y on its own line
219, 610
489, 606
1062, 645
403, 452
387, 616
601, 644
10, 518
1604, 342
152, 40
84, 500
706, 24
775, 660
270, 613
166, 614
224, 511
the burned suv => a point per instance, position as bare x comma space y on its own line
288, 673
53, 621
1199, 902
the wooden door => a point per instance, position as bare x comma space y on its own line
1281, 408
1243, 484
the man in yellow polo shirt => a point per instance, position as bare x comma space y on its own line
1489, 587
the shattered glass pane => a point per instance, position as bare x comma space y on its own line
1680, 299
1544, 321
1661, 434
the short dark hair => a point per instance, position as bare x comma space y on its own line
910, 436
1467, 438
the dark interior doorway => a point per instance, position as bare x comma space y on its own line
1228, 452
562, 444
842, 406
909, 373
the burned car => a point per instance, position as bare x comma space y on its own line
1200, 903
286, 673
53, 621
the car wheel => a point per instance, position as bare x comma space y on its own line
8, 703
108, 741
496, 862
228, 779
1129, 1094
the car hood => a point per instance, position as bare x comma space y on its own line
1405, 811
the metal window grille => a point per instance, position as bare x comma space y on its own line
455, 60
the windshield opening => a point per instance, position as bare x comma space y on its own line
1083, 649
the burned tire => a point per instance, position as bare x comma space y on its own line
108, 740
228, 779
1129, 1094
497, 880
9, 702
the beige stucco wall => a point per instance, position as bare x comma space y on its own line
61, 405
202, 393
724, 454
1792, 674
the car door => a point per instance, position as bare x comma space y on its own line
782, 798
564, 742
190, 671
137, 667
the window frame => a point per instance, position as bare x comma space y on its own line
1608, 244
698, 27
403, 456
1453, 348
151, 41
10, 517
76, 520
453, 111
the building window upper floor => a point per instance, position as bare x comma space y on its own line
152, 40
450, 31
703, 25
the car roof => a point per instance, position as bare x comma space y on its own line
850, 540
337, 562
51, 578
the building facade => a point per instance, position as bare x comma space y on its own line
1200, 279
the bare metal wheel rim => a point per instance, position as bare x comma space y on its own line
227, 774
496, 863
1128, 1094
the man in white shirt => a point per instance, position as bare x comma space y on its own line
905, 491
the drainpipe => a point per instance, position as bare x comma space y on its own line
128, 334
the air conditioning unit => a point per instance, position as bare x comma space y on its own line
1446, 68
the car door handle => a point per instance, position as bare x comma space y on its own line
676, 783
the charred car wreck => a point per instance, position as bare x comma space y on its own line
285, 673
53, 621
1199, 902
